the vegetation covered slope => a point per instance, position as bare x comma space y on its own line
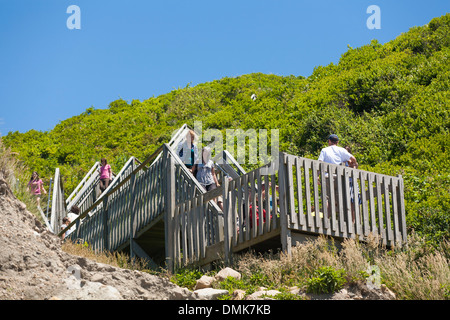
389, 102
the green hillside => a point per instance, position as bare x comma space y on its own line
389, 102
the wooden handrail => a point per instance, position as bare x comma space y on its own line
110, 191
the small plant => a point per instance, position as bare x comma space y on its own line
285, 295
231, 284
186, 277
446, 289
326, 280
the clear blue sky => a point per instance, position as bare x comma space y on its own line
137, 49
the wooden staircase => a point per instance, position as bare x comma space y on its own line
158, 211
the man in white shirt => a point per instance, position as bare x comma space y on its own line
335, 155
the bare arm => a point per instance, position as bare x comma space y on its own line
215, 177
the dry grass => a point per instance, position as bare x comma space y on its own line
14, 172
116, 259
417, 272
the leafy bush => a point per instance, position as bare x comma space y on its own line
326, 280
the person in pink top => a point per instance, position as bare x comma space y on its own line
35, 185
105, 175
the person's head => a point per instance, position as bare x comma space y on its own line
103, 161
349, 149
191, 135
66, 220
206, 154
333, 139
34, 176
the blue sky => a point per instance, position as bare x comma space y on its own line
142, 48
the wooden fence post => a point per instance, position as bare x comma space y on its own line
105, 223
227, 222
169, 209
132, 213
401, 203
285, 232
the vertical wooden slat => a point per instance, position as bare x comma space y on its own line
274, 202
105, 223
268, 225
401, 203
309, 218
259, 204
356, 203
246, 207
234, 210
341, 221
318, 221
169, 207
240, 203
365, 212
290, 204
397, 235
373, 222
194, 230
387, 182
381, 229
347, 204
252, 202
227, 217
190, 230
301, 215
183, 244
285, 232
202, 230
327, 204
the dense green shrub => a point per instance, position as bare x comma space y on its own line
326, 280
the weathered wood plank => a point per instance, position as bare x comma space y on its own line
397, 235
332, 172
356, 206
309, 219
301, 215
318, 221
274, 203
323, 180
387, 206
401, 202
373, 222
347, 205
341, 220
285, 232
365, 213
290, 205
382, 230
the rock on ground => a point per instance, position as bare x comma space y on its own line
34, 267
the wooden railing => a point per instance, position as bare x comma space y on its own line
304, 196
126, 208
243, 196
117, 214
188, 233
199, 228
85, 186
318, 198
